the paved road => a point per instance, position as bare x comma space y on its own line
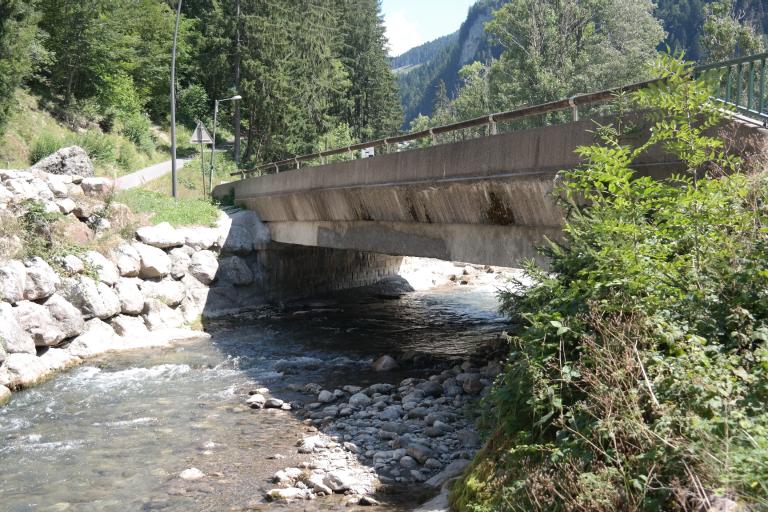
139, 178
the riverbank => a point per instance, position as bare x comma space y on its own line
131, 423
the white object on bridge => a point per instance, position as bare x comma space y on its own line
367, 153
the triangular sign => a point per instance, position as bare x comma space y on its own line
200, 135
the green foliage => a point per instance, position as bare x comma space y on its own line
163, 208
100, 148
18, 36
46, 144
638, 370
193, 105
554, 48
726, 35
135, 128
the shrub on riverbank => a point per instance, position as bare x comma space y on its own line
638, 372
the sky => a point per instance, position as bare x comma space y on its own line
413, 22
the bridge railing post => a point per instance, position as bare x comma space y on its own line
492, 125
574, 109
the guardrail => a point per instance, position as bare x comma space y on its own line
746, 93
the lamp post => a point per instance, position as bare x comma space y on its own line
215, 122
173, 102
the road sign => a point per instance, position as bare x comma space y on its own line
200, 135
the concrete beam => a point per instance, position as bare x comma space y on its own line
504, 246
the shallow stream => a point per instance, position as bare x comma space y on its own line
114, 434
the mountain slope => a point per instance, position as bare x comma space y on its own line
419, 79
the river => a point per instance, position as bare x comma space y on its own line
115, 433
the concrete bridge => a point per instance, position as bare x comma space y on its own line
487, 200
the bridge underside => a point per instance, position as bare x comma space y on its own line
487, 201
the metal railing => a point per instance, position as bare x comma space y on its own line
742, 85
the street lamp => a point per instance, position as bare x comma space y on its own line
173, 101
215, 122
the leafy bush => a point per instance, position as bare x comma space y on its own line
135, 127
100, 147
193, 104
45, 145
638, 373
127, 157
163, 208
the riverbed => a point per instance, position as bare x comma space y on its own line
115, 433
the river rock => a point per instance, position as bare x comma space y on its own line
23, 370
38, 322
235, 270
157, 316
97, 187
359, 400
72, 160
287, 476
13, 277
129, 326
162, 236
91, 298
431, 388
451, 471
419, 451
204, 266
128, 260
5, 395
16, 339
97, 338
192, 474
169, 292
154, 262
472, 384
273, 403
105, 269
68, 317
340, 481
384, 364
130, 297
256, 401
180, 262
325, 397
287, 494
72, 229
41, 281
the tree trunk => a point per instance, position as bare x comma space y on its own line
236, 119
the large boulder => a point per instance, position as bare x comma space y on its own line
41, 280
68, 317
154, 262
105, 269
131, 299
162, 236
70, 228
94, 300
159, 316
71, 161
204, 266
235, 270
13, 278
243, 233
132, 327
38, 322
97, 338
128, 260
15, 339
169, 292
180, 262
100, 188
200, 238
